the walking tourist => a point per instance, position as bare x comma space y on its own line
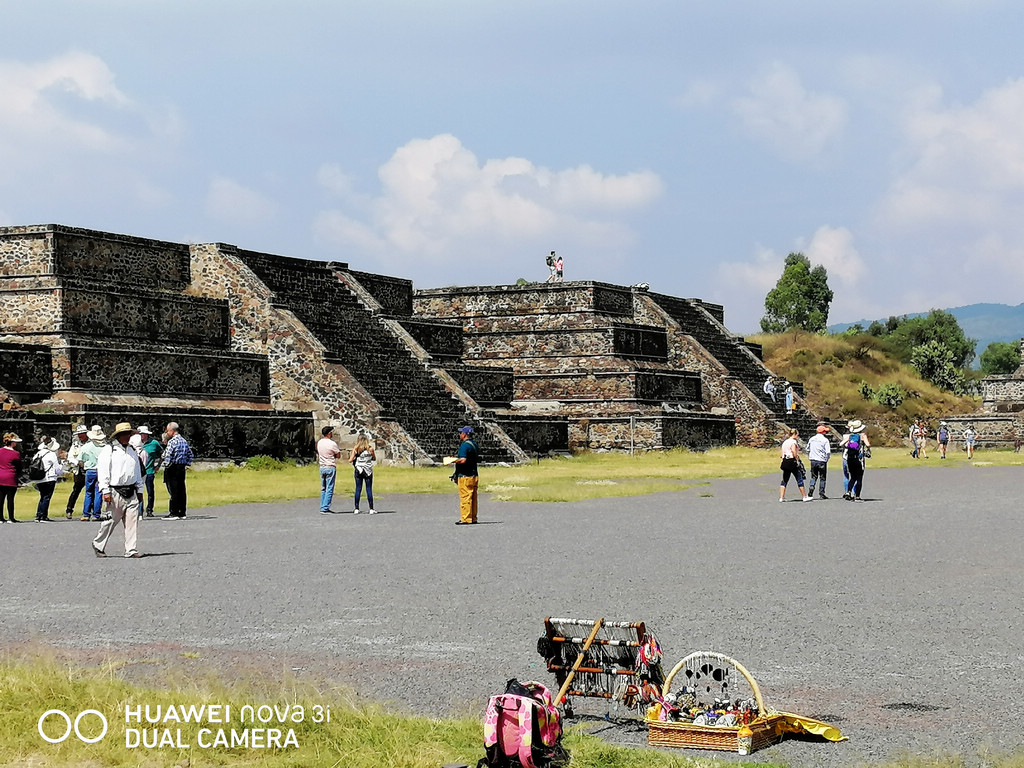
922, 439
120, 481
551, 267
327, 452
466, 476
970, 438
89, 454
74, 464
10, 469
47, 456
942, 438
856, 426
150, 455
819, 450
912, 434
558, 269
361, 459
854, 448
791, 466
177, 459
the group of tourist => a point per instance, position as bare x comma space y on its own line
856, 449
113, 475
920, 432
362, 458
770, 387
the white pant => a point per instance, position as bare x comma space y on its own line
121, 510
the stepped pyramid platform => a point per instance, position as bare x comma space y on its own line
627, 367
253, 352
95, 323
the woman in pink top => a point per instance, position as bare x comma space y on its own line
10, 467
791, 466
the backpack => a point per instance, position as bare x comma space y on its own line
523, 729
943, 434
853, 444
36, 469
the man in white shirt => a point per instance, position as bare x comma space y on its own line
819, 450
119, 479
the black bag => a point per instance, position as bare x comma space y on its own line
36, 470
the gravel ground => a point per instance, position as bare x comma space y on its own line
895, 619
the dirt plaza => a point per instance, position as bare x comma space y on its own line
894, 619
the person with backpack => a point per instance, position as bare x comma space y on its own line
10, 469
45, 470
970, 438
551, 267
942, 438
853, 450
74, 464
121, 486
466, 476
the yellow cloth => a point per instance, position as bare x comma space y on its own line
800, 724
468, 498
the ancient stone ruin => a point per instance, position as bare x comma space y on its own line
251, 353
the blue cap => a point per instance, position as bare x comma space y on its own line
466, 431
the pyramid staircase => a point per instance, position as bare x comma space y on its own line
353, 336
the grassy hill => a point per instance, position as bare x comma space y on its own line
834, 370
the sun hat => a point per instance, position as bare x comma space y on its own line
50, 445
11, 437
144, 430
121, 428
466, 431
81, 429
856, 425
822, 429
96, 433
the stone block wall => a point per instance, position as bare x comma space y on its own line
120, 260
392, 294
26, 371
146, 316
152, 373
30, 311
442, 340
25, 251
489, 386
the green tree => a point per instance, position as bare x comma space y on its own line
908, 333
1000, 357
800, 299
935, 362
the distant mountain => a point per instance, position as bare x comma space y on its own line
984, 322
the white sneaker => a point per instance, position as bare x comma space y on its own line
781, 500
355, 511
808, 498
373, 511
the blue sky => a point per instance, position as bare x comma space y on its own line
687, 145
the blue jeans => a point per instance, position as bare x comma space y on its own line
327, 475
93, 501
359, 488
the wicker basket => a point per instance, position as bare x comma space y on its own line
767, 728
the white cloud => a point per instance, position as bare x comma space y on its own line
230, 202
440, 204
34, 113
782, 113
957, 204
832, 247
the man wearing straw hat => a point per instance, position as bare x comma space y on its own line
120, 483
78, 442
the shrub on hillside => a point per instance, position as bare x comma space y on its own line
866, 391
890, 395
